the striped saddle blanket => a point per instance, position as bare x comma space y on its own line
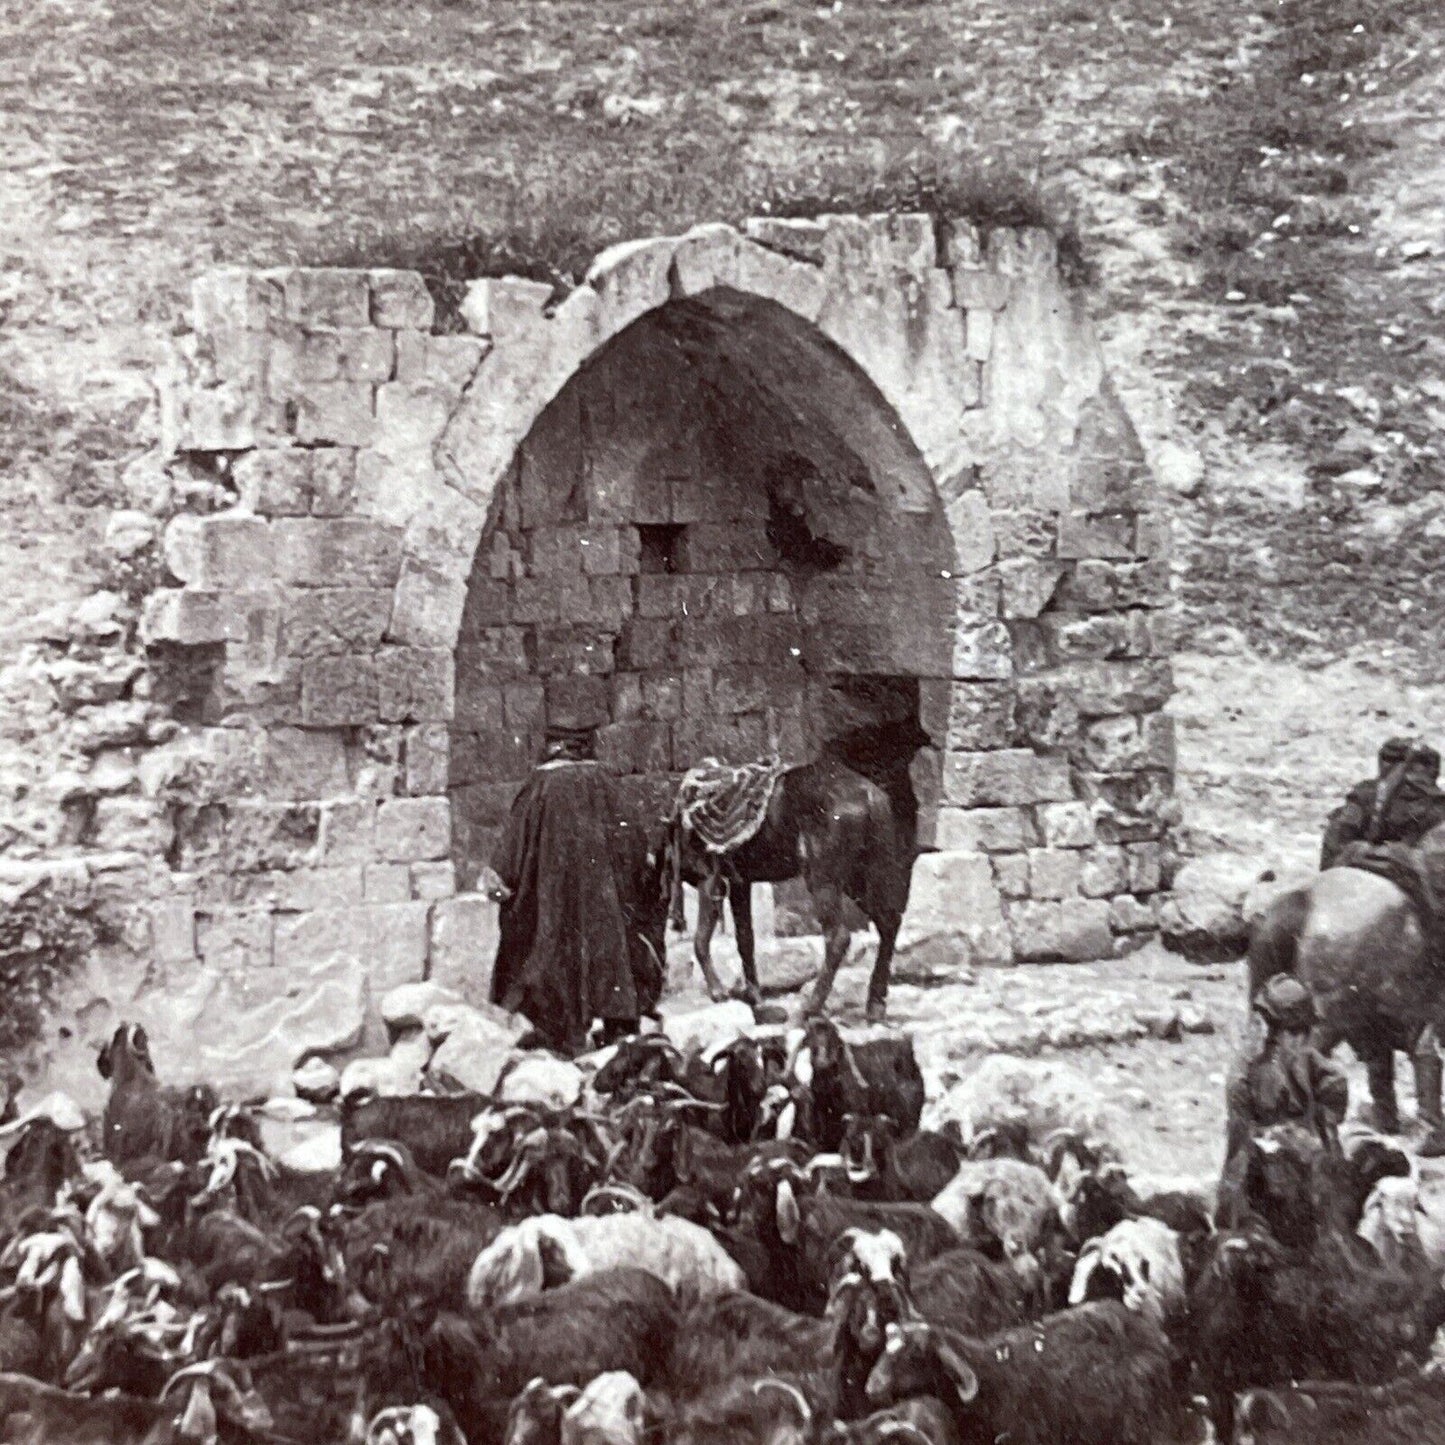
723, 806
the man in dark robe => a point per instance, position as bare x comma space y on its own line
1401, 805
581, 930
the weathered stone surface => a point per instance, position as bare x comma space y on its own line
473, 1054
985, 830
1104, 871
430, 881
977, 716
1070, 930
714, 1023
982, 651
329, 620
400, 299
404, 1008
1066, 825
388, 940
954, 917
1203, 918
337, 552
326, 296
219, 552
386, 883
414, 684
339, 691
1109, 688
1028, 585
464, 945
316, 1080
1007, 777
1054, 872
411, 830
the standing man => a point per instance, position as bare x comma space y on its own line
581, 909
1400, 805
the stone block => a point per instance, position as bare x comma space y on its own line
1104, 689
226, 551
662, 696
275, 481
339, 413
299, 765
431, 881
1128, 914
502, 307
1066, 825
576, 701
1153, 535
696, 691
982, 651
1114, 744
1098, 586
1156, 732
173, 930
329, 297
980, 715
976, 289
985, 830
235, 941
524, 705
387, 883
262, 835
1109, 535
954, 918
720, 547
1023, 532
611, 601
333, 481
641, 746
389, 940
348, 832
1053, 873
399, 299
426, 756
327, 621
1008, 777
1070, 637
339, 692
428, 607
341, 552
572, 648
1069, 930
980, 333
189, 617
302, 889
1146, 864
626, 690
414, 684
463, 949
1027, 585
1104, 871
650, 644
1011, 874
1048, 716
236, 298
413, 830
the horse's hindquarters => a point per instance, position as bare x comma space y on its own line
1362, 953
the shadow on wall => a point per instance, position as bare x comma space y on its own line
716, 541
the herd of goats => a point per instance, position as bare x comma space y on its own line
749, 1243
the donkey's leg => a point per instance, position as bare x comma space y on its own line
1379, 1063
828, 904
709, 902
740, 900
887, 927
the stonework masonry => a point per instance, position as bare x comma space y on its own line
417, 550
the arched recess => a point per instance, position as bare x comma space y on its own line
717, 538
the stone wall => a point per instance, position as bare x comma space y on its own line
389, 555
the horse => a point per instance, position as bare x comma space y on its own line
1357, 942
848, 835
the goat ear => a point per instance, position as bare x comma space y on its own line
790, 1222
103, 1061
682, 1152
198, 1420
1262, 1410
965, 1382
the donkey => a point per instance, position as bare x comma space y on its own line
848, 834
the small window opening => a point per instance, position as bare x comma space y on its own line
661, 546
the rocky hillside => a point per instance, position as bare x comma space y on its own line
1257, 185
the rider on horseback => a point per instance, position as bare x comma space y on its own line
1401, 805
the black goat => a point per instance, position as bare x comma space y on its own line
1264, 1315
1098, 1373
622, 1319
434, 1128
739, 1336
1410, 1408
41, 1160
800, 1231
878, 1076
144, 1121
921, 1419
886, 1170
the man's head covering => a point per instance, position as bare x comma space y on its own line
1286, 1003
1425, 760
1394, 751
576, 743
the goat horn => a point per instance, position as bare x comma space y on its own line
805, 1410
627, 1192
208, 1368
903, 1427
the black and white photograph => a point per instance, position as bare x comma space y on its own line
720, 722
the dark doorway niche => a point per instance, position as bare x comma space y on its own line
660, 546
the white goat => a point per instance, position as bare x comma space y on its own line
1013, 1202
1141, 1260
612, 1410
680, 1253
1397, 1221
